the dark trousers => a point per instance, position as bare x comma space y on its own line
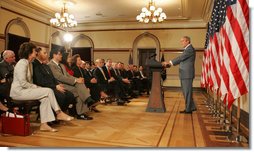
64, 99
186, 85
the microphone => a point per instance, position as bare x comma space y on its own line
152, 55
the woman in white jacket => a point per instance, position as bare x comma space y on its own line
22, 88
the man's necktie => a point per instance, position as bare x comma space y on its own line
61, 69
109, 73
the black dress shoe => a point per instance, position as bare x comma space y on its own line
186, 112
84, 117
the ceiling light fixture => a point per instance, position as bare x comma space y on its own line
64, 19
150, 13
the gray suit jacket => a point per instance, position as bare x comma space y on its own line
22, 78
186, 61
64, 77
68, 81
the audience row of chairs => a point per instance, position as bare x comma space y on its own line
77, 88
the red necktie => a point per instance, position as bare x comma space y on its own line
109, 73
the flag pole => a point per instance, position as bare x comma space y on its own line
225, 122
237, 137
218, 112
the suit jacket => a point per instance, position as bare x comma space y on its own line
99, 76
22, 78
64, 77
186, 61
6, 69
79, 72
88, 76
68, 81
43, 75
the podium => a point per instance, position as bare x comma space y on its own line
156, 100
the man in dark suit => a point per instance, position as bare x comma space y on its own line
44, 77
186, 72
6, 74
79, 72
105, 81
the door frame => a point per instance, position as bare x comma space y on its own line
135, 46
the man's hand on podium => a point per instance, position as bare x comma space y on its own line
166, 64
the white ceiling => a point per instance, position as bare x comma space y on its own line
123, 12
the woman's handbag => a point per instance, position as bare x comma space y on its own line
15, 124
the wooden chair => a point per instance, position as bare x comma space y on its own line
26, 106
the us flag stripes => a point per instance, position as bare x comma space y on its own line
225, 65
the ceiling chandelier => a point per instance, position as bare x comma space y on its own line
150, 13
63, 19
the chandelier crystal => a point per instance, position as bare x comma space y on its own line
150, 13
63, 19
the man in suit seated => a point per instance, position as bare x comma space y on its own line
72, 84
104, 81
79, 72
124, 75
6, 74
44, 77
135, 82
144, 81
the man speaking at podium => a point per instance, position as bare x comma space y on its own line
186, 72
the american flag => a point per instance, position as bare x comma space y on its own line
225, 65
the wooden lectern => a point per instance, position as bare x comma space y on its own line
156, 100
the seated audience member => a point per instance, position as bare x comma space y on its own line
144, 80
7, 65
124, 74
104, 81
135, 82
6, 72
22, 88
43, 76
67, 62
93, 66
72, 84
91, 82
80, 73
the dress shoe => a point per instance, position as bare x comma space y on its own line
186, 112
64, 117
49, 130
84, 117
46, 128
